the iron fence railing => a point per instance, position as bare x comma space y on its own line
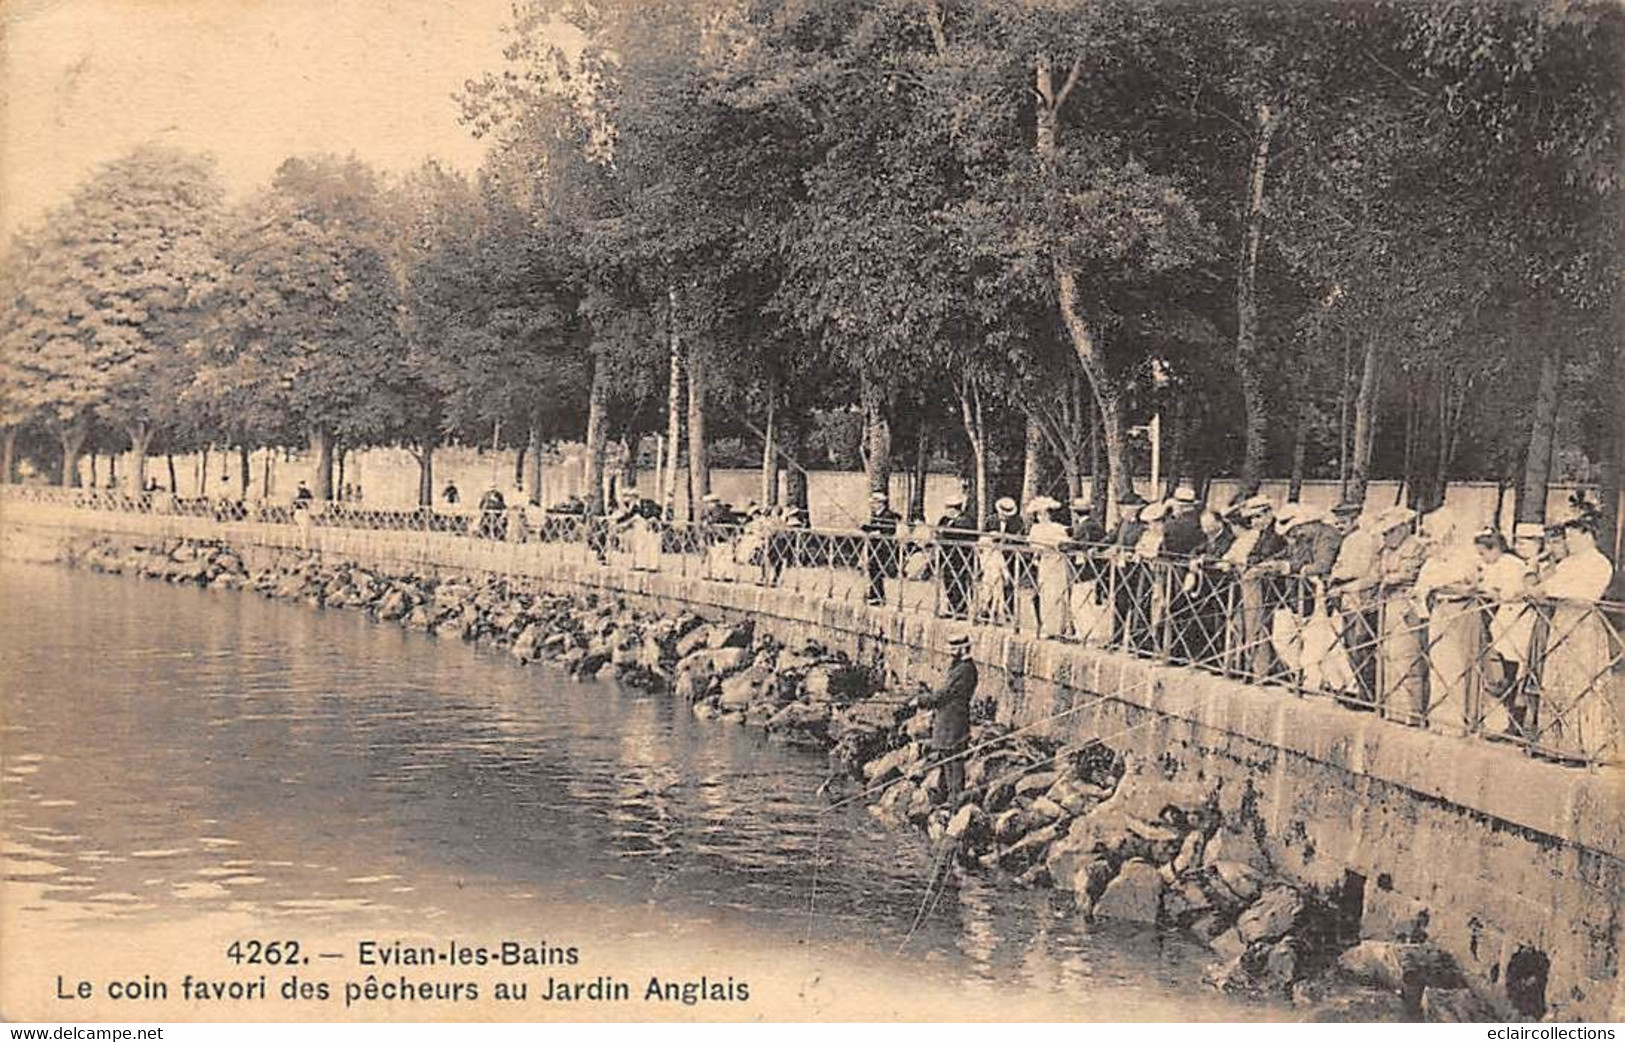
1546, 675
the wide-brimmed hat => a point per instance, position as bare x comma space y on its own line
1131, 499
1082, 506
1154, 511
958, 643
1529, 530
1041, 503
1005, 505
1348, 508
1303, 516
1184, 494
710, 497
1259, 504
955, 500
1393, 517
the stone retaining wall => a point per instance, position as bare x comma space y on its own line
1504, 854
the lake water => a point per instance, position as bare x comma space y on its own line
185, 769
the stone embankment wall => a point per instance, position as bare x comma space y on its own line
1514, 866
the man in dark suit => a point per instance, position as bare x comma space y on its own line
956, 557
880, 548
950, 719
1182, 534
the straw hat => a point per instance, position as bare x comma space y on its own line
1005, 505
1393, 517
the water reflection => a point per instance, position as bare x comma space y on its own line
172, 752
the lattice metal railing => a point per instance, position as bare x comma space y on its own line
1545, 675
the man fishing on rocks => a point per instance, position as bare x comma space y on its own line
950, 722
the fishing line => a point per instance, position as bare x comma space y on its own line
987, 743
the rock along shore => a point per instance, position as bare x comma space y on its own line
1113, 831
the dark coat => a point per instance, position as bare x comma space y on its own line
1009, 526
1182, 535
1270, 546
1312, 548
1129, 531
882, 523
1215, 545
1087, 532
956, 528
950, 724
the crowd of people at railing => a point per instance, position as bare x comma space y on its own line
1387, 611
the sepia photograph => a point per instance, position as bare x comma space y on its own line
812, 511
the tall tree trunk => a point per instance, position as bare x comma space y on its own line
169, 462
1255, 415
425, 457
770, 450
629, 474
8, 456
674, 406
1098, 493
1537, 467
597, 437
321, 447
1345, 394
1612, 487
519, 464
338, 481
922, 461
1032, 463
140, 439
1300, 451
795, 473
1119, 478
699, 457
203, 473
876, 437
970, 413
533, 465
1365, 423
93, 456
1406, 478
1177, 457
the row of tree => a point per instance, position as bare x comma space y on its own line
1347, 241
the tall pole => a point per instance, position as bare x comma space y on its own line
1154, 433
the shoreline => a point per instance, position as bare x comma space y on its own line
1127, 842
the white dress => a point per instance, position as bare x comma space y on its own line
992, 581
1513, 626
1454, 637
1580, 692
1048, 537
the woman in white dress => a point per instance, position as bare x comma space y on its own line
1500, 582
1442, 602
1047, 537
1512, 629
1578, 714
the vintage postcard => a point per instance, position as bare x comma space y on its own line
812, 511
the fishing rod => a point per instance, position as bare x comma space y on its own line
1025, 728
